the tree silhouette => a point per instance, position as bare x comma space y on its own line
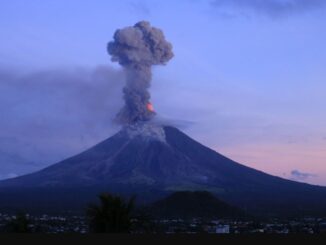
111, 216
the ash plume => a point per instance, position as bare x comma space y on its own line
137, 48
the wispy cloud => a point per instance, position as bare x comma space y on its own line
271, 8
297, 175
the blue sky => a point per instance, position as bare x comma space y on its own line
247, 79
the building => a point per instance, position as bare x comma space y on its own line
222, 229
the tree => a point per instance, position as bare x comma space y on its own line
112, 215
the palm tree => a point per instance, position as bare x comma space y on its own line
112, 215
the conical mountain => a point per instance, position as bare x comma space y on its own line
162, 159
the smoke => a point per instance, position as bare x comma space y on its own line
48, 115
137, 48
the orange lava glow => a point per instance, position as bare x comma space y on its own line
150, 107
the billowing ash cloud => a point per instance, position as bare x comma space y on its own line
137, 48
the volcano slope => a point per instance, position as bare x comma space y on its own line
152, 161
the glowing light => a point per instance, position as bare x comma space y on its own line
150, 107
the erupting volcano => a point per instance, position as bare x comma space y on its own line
152, 160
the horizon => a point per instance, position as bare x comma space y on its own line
247, 80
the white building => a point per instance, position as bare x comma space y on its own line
222, 229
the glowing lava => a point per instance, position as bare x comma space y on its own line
150, 107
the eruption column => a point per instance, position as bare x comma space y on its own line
137, 49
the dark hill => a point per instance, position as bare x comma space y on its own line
198, 204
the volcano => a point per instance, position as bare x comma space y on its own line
152, 160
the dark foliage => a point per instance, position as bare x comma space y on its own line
112, 215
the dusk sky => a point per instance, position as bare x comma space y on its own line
247, 79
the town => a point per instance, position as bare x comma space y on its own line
55, 224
